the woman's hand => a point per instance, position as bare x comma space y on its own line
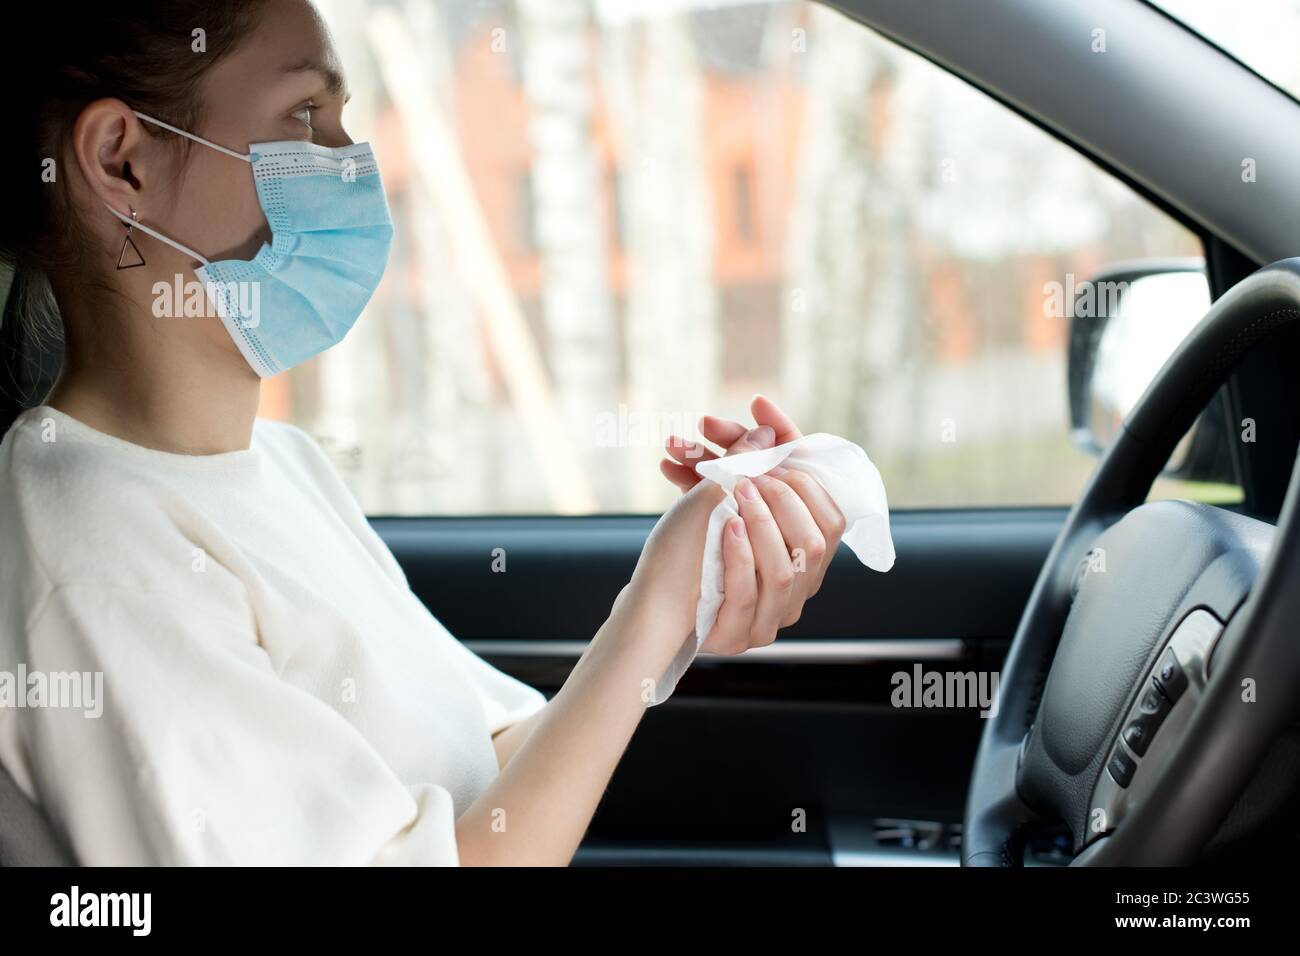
774, 555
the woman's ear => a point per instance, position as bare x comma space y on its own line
113, 154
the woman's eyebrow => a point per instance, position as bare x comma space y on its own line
335, 85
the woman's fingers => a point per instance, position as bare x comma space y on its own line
721, 431
771, 560
688, 452
766, 412
803, 540
829, 519
724, 433
789, 526
682, 476
681, 471
685, 454
753, 439
730, 634
735, 437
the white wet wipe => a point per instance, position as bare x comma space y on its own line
848, 476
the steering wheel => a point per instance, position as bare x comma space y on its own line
1170, 632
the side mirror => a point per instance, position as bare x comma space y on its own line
1124, 324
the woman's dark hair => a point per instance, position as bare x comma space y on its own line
147, 53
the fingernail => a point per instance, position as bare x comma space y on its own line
761, 437
745, 488
737, 527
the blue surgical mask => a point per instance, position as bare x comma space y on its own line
330, 237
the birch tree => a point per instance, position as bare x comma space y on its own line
847, 303
570, 226
655, 91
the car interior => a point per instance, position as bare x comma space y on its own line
1139, 619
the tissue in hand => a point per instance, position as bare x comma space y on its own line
848, 476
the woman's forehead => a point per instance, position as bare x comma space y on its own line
289, 47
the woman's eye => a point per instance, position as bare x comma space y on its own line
304, 115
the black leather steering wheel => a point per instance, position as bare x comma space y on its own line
1171, 625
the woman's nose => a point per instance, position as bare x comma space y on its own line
334, 139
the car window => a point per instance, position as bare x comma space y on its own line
1264, 40
614, 217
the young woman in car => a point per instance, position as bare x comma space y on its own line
273, 690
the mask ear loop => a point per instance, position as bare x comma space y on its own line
246, 157
135, 223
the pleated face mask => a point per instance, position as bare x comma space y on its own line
330, 237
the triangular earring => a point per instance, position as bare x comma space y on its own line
122, 261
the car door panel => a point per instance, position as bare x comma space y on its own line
771, 755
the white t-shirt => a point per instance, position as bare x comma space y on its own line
272, 690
